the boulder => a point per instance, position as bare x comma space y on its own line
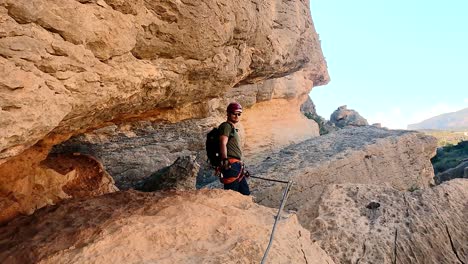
181, 175
343, 117
460, 171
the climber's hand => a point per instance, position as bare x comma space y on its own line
225, 164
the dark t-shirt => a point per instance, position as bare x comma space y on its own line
233, 146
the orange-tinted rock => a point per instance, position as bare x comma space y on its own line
167, 227
74, 66
54, 179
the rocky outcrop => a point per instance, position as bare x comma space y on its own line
377, 224
181, 175
133, 151
58, 177
366, 155
70, 67
460, 171
266, 122
343, 117
308, 109
175, 227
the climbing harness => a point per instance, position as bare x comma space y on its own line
240, 175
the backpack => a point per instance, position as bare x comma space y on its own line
213, 147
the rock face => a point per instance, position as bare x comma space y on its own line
70, 67
308, 109
367, 155
176, 227
133, 151
58, 177
460, 171
347, 117
181, 175
73, 65
377, 224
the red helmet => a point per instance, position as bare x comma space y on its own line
232, 107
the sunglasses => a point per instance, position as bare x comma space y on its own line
236, 114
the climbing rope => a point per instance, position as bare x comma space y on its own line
278, 215
266, 179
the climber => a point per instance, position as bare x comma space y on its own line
232, 168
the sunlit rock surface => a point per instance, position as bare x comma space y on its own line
377, 224
133, 151
367, 155
70, 67
176, 227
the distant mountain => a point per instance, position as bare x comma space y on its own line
450, 121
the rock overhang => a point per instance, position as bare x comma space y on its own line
76, 66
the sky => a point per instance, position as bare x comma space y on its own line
395, 62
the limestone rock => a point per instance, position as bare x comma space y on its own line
181, 175
70, 67
460, 171
174, 227
347, 117
308, 109
378, 224
133, 151
366, 155
276, 108
59, 177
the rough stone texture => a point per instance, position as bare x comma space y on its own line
308, 107
276, 108
377, 224
181, 175
58, 177
367, 155
282, 126
343, 117
176, 227
133, 151
70, 67
460, 171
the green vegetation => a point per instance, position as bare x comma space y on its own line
320, 121
447, 138
450, 156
